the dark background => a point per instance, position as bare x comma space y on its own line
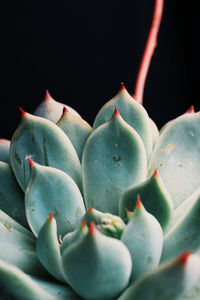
82, 50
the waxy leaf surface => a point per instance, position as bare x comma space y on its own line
143, 237
176, 156
52, 109
11, 195
113, 159
167, 282
155, 198
132, 112
76, 129
48, 249
45, 143
52, 190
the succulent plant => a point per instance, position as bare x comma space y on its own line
103, 212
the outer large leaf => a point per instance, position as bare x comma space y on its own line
76, 129
113, 159
25, 287
11, 196
168, 282
52, 109
46, 144
132, 112
17, 246
176, 155
52, 190
185, 234
155, 198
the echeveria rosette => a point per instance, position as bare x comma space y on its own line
70, 184
74, 232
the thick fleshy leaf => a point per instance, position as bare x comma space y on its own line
155, 132
24, 287
155, 198
76, 129
194, 292
46, 144
11, 195
52, 190
52, 109
97, 267
9, 222
59, 291
167, 282
48, 249
176, 155
114, 158
132, 112
4, 150
74, 236
185, 234
143, 237
17, 246
182, 208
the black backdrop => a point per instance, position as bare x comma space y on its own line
82, 50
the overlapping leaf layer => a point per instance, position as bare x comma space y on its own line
110, 211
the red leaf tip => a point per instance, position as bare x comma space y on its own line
155, 173
122, 87
30, 161
83, 223
90, 209
138, 203
50, 217
47, 96
116, 112
190, 110
65, 110
92, 228
128, 212
184, 257
23, 113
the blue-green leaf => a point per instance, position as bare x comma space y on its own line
132, 112
46, 144
52, 190
52, 109
114, 158
176, 156
11, 195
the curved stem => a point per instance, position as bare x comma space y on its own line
149, 50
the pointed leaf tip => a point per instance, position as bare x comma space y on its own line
50, 217
183, 258
128, 212
22, 112
155, 173
30, 161
138, 203
83, 223
47, 96
92, 228
65, 110
122, 87
116, 112
191, 110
